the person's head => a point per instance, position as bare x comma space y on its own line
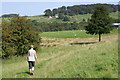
31, 46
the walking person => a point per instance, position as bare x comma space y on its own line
32, 57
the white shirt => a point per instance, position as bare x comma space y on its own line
31, 55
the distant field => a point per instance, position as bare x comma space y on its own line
44, 20
81, 17
77, 18
114, 15
71, 34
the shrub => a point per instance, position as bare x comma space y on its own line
17, 36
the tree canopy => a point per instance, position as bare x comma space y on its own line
10, 15
78, 9
100, 22
17, 36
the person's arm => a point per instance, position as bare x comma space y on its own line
35, 55
28, 55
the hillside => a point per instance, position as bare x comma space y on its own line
78, 9
77, 18
60, 38
63, 57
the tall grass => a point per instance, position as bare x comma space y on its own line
98, 60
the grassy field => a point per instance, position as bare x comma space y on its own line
114, 15
86, 16
78, 18
72, 34
92, 60
44, 20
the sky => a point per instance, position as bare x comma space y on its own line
37, 7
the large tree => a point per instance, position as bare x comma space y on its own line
61, 16
100, 22
48, 12
17, 36
54, 11
66, 18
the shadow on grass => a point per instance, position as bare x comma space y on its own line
23, 73
83, 43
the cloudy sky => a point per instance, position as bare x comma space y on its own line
37, 7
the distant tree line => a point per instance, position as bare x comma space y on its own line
77, 9
60, 26
10, 15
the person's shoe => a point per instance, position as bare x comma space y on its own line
31, 73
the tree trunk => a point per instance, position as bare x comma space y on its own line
99, 37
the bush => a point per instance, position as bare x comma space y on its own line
17, 36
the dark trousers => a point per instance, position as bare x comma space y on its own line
31, 64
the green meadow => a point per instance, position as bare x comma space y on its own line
77, 18
72, 34
84, 58
92, 60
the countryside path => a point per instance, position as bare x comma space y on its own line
55, 58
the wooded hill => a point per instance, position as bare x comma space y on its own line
72, 10
65, 20
78, 9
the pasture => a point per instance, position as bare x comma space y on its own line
72, 34
86, 58
77, 18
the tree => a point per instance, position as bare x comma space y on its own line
10, 15
17, 36
66, 18
55, 11
60, 16
63, 10
82, 9
48, 12
100, 22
